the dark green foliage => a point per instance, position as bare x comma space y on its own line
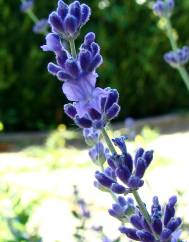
132, 47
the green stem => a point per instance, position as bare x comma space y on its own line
184, 74
141, 205
144, 211
32, 16
181, 69
72, 48
170, 34
108, 141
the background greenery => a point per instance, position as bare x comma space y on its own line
132, 47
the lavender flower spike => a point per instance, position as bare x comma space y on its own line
91, 106
67, 20
178, 57
165, 226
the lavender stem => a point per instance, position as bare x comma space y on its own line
72, 48
181, 69
135, 193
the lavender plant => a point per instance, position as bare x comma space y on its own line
177, 57
83, 214
92, 108
40, 25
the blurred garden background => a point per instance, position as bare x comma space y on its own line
42, 153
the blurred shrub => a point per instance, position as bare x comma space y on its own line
132, 47
58, 138
17, 224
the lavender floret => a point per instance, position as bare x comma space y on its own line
177, 58
120, 142
41, 26
26, 5
127, 171
163, 8
91, 136
122, 209
99, 154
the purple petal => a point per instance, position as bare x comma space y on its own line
83, 122
56, 22
70, 110
53, 69
113, 111
70, 24
85, 13
131, 233
117, 188
62, 9
53, 43
75, 10
89, 38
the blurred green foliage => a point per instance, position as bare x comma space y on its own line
15, 216
132, 47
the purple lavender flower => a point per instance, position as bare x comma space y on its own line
106, 178
120, 142
84, 212
178, 57
83, 208
67, 20
97, 228
90, 106
122, 209
100, 111
99, 154
163, 8
167, 231
26, 5
41, 26
126, 170
91, 136
79, 74
107, 181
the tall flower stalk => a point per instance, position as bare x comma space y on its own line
92, 109
178, 57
